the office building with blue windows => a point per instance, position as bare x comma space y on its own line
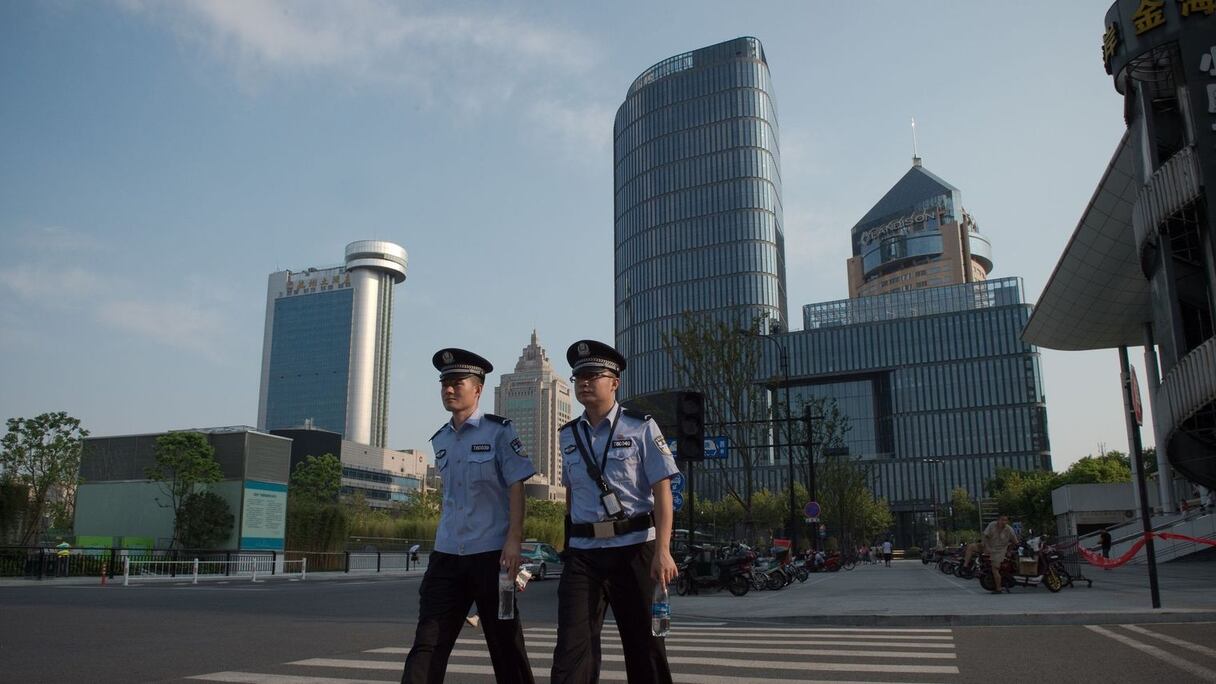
325, 355
698, 221
925, 361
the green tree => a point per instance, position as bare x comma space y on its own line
14, 499
205, 520
426, 505
1112, 466
964, 513
42, 454
1025, 496
850, 510
317, 478
184, 462
717, 358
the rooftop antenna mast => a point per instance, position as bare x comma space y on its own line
915, 146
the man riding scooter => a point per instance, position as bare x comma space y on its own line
997, 538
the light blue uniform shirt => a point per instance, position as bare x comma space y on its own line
478, 463
638, 458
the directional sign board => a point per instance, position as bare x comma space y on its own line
677, 483
677, 500
715, 447
812, 509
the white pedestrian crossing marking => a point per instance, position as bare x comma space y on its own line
1182, 643
736, 655
1206, 674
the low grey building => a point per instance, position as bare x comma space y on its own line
117, 505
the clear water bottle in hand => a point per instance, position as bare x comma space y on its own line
660, 611
506, 595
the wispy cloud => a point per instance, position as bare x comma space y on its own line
58, 239
183, 326
582, 127
466, 58
49, 278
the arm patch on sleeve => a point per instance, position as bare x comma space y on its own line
662, 445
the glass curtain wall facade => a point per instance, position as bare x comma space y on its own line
698, 219
939, 373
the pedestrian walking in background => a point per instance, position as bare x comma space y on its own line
63, 555
886, 552
483, 466
1104, 542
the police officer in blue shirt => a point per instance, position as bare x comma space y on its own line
483, 466
616, 468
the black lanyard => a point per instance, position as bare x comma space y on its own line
593, 470
603, 463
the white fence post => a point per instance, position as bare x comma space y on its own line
304, 568
254, 563
126, 571
196, 571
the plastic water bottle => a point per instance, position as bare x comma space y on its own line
660, 611
506, 595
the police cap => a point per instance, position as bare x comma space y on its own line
589, 356
453, 362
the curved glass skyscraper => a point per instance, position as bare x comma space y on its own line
698, 202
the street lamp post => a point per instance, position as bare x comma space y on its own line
933, 486
784, 360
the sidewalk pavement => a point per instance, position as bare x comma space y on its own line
909, 593
912, 593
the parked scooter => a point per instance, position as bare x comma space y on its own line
701, 569
1021, 566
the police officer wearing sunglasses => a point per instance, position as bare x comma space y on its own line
615, 466
483, 466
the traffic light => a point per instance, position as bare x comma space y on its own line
690, 425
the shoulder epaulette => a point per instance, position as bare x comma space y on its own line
569, 424
498, 419
636, 414
437, 433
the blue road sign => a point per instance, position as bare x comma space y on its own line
715, 447
677, 500
812, 509
677, 483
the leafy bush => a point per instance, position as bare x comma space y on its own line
912, 552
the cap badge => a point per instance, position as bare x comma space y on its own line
447, 357
583, 350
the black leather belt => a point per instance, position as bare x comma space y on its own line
608, 529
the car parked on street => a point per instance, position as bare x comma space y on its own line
541, 559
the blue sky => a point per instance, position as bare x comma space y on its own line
159, 159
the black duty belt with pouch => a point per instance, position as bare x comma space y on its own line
608, 529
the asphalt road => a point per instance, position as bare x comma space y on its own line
357, 630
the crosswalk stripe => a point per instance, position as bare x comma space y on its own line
800, 630
611, 641
672, 660
1195, 669
678, 678
769, 633
257, 678
1181, 643
915, 655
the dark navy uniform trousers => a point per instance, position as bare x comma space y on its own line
592, 580
451, 584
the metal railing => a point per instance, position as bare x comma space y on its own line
45, 563
178, 570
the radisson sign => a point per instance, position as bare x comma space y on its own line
897, 225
